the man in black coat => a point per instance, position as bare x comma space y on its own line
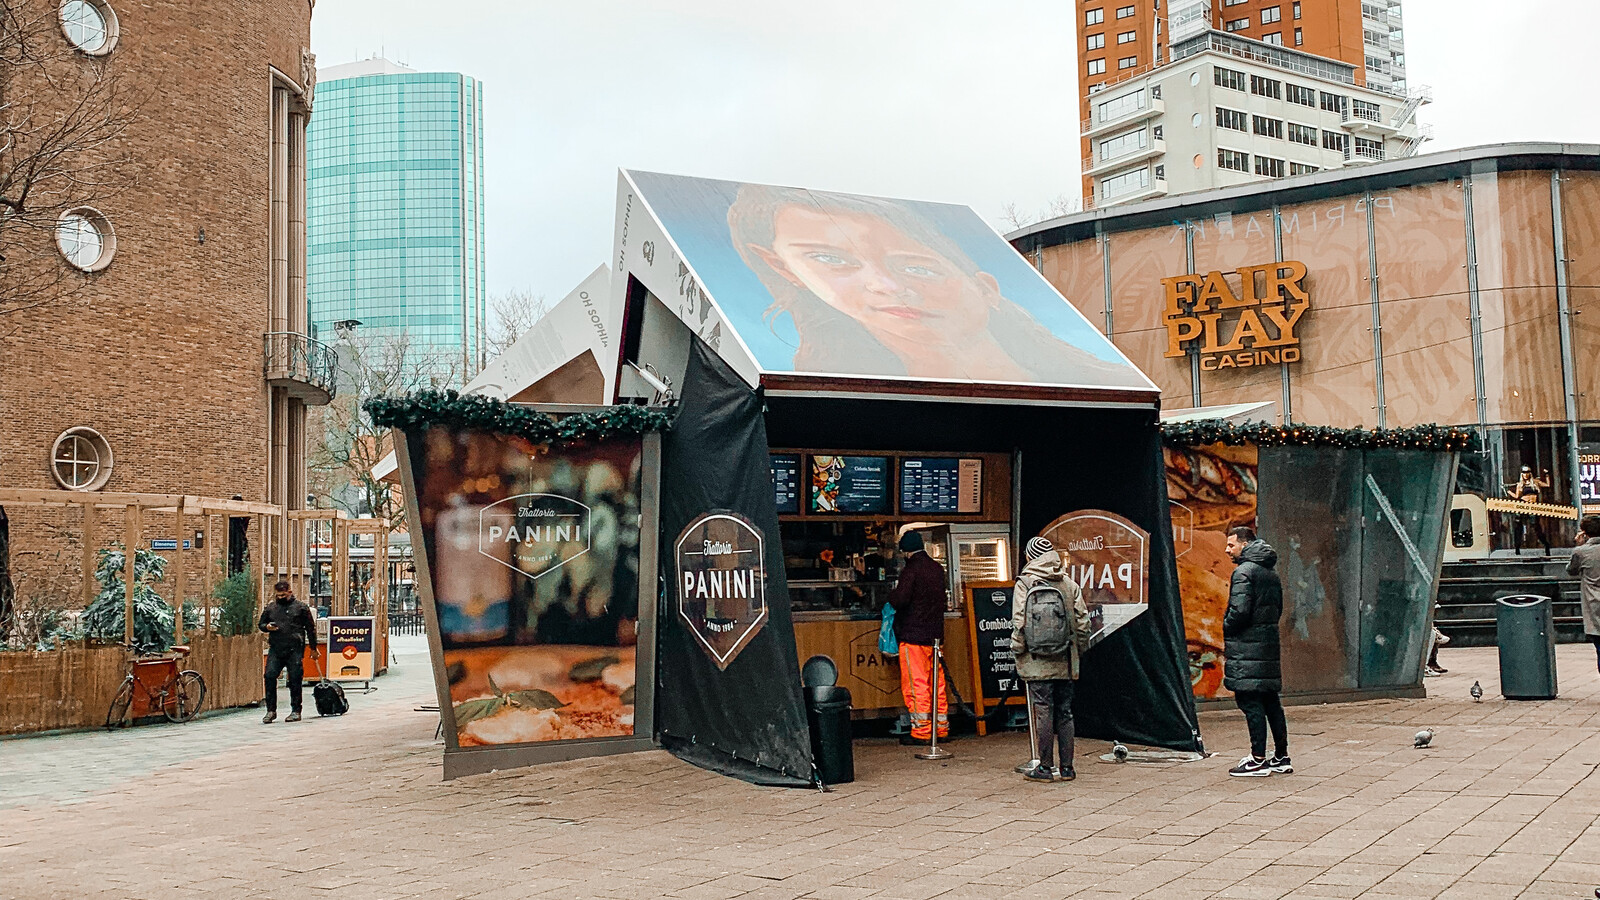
1250, 648
290, 627
919, 600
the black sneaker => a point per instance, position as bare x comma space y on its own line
1280, 765
1250, 767
1067, 774
1039, 773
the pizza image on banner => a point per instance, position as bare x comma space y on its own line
722, 582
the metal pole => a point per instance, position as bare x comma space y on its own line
933, 751
1569, 377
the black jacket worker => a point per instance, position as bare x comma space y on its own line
919, 602
290, 627
1250, 648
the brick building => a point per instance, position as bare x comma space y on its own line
178, 361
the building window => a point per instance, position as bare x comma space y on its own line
1097, 41
1123, 144
1297, 9
1271, 14
1236, 160
1117, 107
1332, 102
1231, 79
1361, 109
1234, 2
1236, 24
1127, 37
1127, 62
1097, 67
1335, 140
86, 239
1298, 38
1302, 134
1230, 118
1304, 96
1272, 128
1275, 38
1272, 168
1094, 17
1366, 149
80, 460
1124, 12
1302, 168
1097, 88
89, 25
1126, 183
1266, 87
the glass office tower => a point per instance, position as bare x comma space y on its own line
394, 227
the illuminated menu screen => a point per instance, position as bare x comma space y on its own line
786, 482
850, 484
941, 485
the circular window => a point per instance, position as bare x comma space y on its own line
1196, 120
81, 460
1194, 79
86, 239
89, 25
1199, 160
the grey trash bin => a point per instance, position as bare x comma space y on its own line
1525, 632
828, 714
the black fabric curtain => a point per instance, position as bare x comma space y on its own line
1135, 685
748, 720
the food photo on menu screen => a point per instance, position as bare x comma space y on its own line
850, 484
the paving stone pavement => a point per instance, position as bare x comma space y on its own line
1506, 803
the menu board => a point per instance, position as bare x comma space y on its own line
850, 484
994, 666
786, 482
941, 485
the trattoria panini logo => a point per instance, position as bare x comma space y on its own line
534, 534
722, 583
1233, 327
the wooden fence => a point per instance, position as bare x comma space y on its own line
48, 690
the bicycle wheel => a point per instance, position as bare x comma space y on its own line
117, 715
185, 696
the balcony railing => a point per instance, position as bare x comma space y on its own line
1370, 154
306, 366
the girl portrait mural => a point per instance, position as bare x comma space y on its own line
825, 283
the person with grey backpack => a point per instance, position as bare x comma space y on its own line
1049, 633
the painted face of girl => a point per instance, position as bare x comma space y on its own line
870, 270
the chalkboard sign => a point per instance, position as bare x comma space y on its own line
786, 482
994, 667
850, 484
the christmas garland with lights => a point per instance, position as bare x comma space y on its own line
1219, 431
471, 412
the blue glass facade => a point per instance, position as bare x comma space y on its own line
394, 197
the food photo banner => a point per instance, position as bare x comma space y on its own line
532, 590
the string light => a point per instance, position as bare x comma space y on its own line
430, 408
1419, 437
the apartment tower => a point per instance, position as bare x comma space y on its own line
1327, 76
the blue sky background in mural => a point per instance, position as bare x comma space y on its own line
694, 212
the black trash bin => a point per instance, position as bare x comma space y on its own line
828, 715
1526, 635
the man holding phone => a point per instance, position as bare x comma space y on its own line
289, 626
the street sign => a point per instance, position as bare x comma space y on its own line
166, 544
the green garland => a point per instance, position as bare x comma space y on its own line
1219, 431
426, 409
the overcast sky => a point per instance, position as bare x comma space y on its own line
967, 102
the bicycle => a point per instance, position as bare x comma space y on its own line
158, 685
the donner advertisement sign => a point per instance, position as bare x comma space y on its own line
1237, 319
722, 583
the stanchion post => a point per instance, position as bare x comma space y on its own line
933, 751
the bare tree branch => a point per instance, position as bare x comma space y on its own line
510, 316
63, 119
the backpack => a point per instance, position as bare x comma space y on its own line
330, 699
1046, 622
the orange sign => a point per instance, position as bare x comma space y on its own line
1236, 328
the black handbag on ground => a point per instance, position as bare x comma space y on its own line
329, 697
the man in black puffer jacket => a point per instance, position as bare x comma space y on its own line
1250, 648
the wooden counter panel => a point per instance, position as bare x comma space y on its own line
872, 678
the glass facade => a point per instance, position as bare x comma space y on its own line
395, 214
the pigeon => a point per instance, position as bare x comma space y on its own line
1423, 738
1476, 691
1119, 752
